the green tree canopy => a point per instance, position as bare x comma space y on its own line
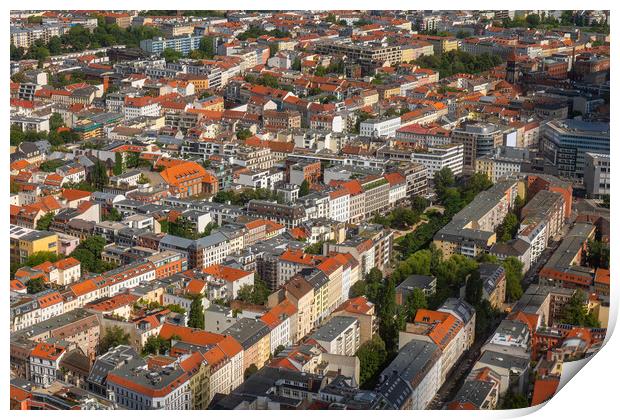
35, 285
304, 188
514, 277
45, 221
114, 336
196, 314
372, 356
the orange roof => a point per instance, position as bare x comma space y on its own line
297, 233
601, 276
465, 405
50, 299
255, 224
17, 285
192, 363
357, 305
18, 165
72, 194
544, 389
19, 394
114, 302
329, 265
299, 257
531, 320
444, 326
226, 344
45, 266
394, 178
278, 313
229, 274
177, 174
195, 287
146, 390
66, 263
83, 288
338, 193
47, 351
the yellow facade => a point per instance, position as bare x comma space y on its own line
42, 242
264, 351
199, 385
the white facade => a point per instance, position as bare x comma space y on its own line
380, 128
281, 335
339, 208
43, 371
178, 399
398, 192
439, 157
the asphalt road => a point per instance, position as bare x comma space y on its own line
461, 369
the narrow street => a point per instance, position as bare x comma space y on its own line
461, 369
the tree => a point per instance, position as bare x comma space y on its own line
514, 277
35, 285
209, 228
513, 401
473, 289
88, 253
576, 312
389, 326
14, 187
372, 356
196, 314
597, 254
45, 221
414, 301
174, 307
112, 215
462, 34
244, 134
419, 204
99, 175
118, 163
452, 62
155, 344
358, 289
40, 257
443, 179
132, 159
509, 227
56, 121
171, 55
51, 165
315, 248
403, 218
533, 20
296, 64
304, 188
251, 370
114, 336
206, 47
245, 293
143, 179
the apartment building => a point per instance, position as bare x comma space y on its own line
413, 378
597, 174
472, 230
339, 335
478, 139
182, 44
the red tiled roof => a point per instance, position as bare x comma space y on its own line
544, 389
229, 274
